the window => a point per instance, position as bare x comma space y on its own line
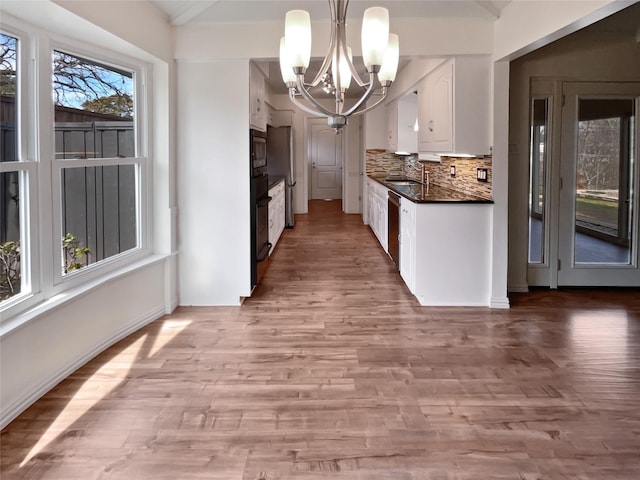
73, 198
13, 175
95, 158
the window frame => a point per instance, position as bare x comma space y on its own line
41, 215
60, 281
27, 166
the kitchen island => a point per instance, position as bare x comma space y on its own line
445, 239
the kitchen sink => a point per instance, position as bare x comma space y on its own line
404, 181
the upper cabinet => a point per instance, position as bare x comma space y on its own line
454, 107
401, 119
392, 126
407, 117
257, 94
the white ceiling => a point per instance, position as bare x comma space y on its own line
191, 12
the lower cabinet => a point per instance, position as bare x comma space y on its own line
377, 197
408, 243
452, 254
276, 214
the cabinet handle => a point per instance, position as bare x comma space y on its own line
430, 125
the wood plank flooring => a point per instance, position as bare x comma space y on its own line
333, 371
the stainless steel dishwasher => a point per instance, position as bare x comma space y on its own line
393, 228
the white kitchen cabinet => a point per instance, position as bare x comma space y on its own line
454, 107
452, 254
257, 106
276, 214
401, 118
408, 243
377, 210
445, 248
392, 126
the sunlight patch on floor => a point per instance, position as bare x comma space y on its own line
104, 381
170, 328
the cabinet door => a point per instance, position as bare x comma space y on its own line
392, 126
257, 107
408, 244
435, 111
442, 110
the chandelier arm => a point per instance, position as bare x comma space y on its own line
302, 106
342, 42
366, 95
370, 107
307, 96
332, 43
327, 59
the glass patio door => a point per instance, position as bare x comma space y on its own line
598, 201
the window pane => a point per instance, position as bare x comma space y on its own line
94, 109
10, 271
604, 192
8, 88
537, 164
99, 213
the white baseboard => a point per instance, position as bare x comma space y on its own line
499, 302
9, 413
518, 288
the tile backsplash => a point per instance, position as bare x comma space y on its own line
382, 163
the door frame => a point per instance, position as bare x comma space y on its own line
308, 122
592, 274
547, 272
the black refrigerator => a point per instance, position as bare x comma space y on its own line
280, 164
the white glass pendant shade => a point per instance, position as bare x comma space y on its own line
345, 71
375, 35
389, 66
297, 32
285, 64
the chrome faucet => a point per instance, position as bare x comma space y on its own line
424, 174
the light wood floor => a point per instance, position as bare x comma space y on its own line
333, 371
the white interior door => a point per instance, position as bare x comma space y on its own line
598, 201
326, 157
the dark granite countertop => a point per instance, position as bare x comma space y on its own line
431, 193
274, 180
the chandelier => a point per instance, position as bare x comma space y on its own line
380, 53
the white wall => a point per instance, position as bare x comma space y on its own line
42, 346
418, 37
525, 25
352, 167
213, 190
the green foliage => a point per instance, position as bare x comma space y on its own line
73, 253
9, 269
117, 104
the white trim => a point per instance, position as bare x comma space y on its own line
499, 302
518, 288
11, 411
